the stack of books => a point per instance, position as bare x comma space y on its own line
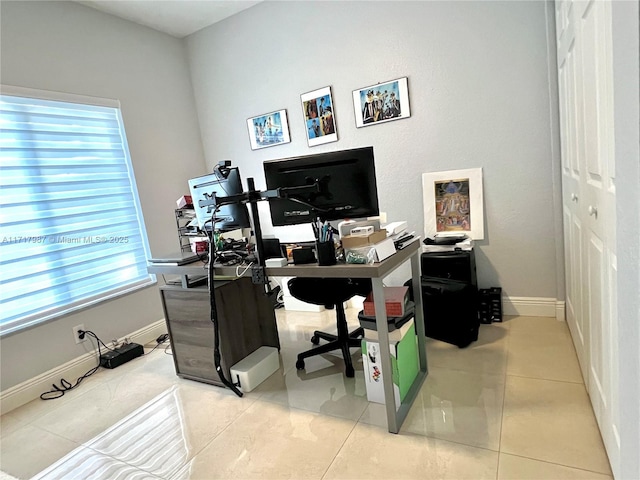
395, 299
400, 312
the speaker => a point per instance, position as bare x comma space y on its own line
457, 265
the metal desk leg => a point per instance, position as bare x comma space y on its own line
419, 315
397, 413
385, 355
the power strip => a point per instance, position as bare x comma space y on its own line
116, 357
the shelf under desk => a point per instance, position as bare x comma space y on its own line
376, 272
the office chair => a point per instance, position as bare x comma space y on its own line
331, 292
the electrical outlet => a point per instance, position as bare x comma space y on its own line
76, 333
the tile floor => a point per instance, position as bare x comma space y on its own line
510, 406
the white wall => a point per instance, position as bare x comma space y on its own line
479, 86
71, 48
626, 74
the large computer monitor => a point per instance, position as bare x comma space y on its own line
339, 185
210, 212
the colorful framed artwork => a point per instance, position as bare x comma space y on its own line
319, 116
453, 203
268, 130
383, 102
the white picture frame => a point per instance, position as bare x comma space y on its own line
453, 203
381, 103
319, 117
268, 130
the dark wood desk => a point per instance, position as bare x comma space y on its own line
376, 272
246, 321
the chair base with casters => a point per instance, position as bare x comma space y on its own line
331, 292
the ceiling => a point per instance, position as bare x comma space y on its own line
175, 17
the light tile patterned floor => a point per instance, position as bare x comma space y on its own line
510, 406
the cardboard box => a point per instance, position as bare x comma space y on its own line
373, 253
404, 367
395, 299
351, 241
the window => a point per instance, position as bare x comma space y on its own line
71, 227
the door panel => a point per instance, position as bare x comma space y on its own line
581, 324
585, 85
595, 259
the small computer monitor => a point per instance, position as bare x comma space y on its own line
345, 180
212, 214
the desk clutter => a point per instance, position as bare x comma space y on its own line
366, 242
403, 345
360, 242
355, 242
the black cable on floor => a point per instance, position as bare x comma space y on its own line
159, 341
65, 386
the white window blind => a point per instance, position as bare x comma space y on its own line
71, 228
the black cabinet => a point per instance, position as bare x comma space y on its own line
453, 265
450, 296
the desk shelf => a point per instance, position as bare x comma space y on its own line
186, 233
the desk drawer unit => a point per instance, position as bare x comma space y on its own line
246, 322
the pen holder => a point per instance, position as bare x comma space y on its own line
326, 253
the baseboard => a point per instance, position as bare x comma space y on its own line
533, 307
31, 389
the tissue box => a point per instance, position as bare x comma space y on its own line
404, 367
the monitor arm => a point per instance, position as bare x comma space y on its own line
252, 197
314, 188
318, 187
211, 201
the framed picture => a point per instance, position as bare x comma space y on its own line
319, 118
268, 130
381, 103
453, 203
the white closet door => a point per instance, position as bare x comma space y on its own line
570, 93
588, 166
